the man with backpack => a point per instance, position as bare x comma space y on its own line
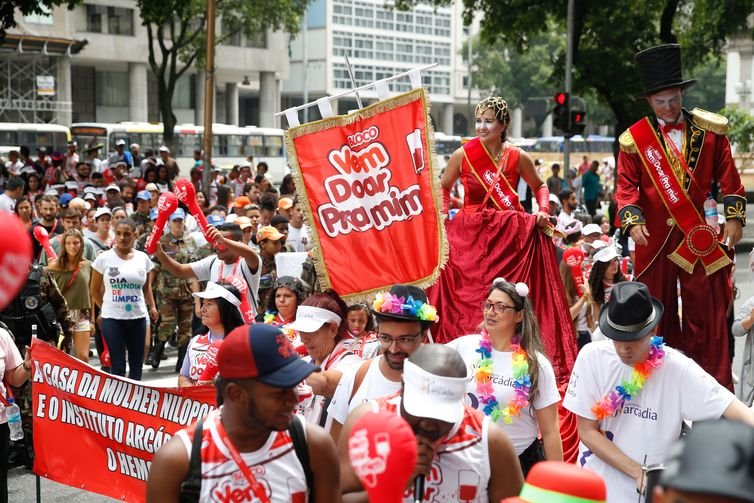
252, 447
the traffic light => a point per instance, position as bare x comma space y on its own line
578, 122
561, 112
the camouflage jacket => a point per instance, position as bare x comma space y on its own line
183, 250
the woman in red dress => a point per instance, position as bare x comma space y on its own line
492, 236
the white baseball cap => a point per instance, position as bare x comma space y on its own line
102, 211
606, 254
112, 186
310, 319
591, 229
432, 396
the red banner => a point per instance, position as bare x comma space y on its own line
370, 193
99, 432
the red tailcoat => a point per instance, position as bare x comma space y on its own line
702, 330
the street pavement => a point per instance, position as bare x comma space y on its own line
22, 483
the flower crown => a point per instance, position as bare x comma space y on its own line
521, 288
392, 304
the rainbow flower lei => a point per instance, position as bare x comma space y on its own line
269, 317
485, 389
631, 388
387, 303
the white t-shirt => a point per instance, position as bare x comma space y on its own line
10, 358
651, 422
213, 269
564, 218
524, 429
7, 203
298, 238
374, 385
124, 282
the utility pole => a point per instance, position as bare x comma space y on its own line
568, 84
306, 64
209, 96
468, 99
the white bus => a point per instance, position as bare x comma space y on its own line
231, 144
14, 135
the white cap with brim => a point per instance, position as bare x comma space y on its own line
102, 211
591, 229
554, 199
309, 319
112, 186
431, 396
606, 254
215, 291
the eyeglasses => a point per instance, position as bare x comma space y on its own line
498, 307
404, 340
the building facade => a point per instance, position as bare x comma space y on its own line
90, 64
381, 42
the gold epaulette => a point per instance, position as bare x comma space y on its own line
709, 121
627, 144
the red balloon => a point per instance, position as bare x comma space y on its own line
43, 237
186, 193
166, 206
15, 257
382, 450
243, 289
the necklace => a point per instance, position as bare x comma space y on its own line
485, 389
498, 155
628, 389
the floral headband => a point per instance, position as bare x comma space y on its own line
522, 289
390, 304
498, 105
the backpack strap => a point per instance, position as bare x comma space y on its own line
298, 436
191, 487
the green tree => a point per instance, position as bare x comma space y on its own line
740, 128
27, 7
607, 35
176, 30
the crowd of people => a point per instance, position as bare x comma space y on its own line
296, 368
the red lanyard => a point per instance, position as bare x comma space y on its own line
333, 357
8, 392
73, 277
255, 486
222, 267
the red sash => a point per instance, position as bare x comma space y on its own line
483, 167
700, 240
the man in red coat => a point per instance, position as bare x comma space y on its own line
667, 166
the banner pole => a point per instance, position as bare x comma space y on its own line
39, 488
353, 82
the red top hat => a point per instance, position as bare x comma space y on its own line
558, 482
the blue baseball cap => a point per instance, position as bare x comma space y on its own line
153, 214
144, 195
262, 352
179, 213
65, 199
215, 220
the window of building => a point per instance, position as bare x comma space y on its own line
94, 18
43, 17
120, 21
112, 89
258, 41
184, 94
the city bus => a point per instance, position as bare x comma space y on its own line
232, 145
550, 149
13, 135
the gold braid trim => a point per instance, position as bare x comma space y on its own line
717, 265
735, 208
709, 121
627, 144
682, 262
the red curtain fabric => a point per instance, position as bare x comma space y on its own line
488, 244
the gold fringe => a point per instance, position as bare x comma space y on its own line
710, 121
291, 134
717, 265
682, 262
